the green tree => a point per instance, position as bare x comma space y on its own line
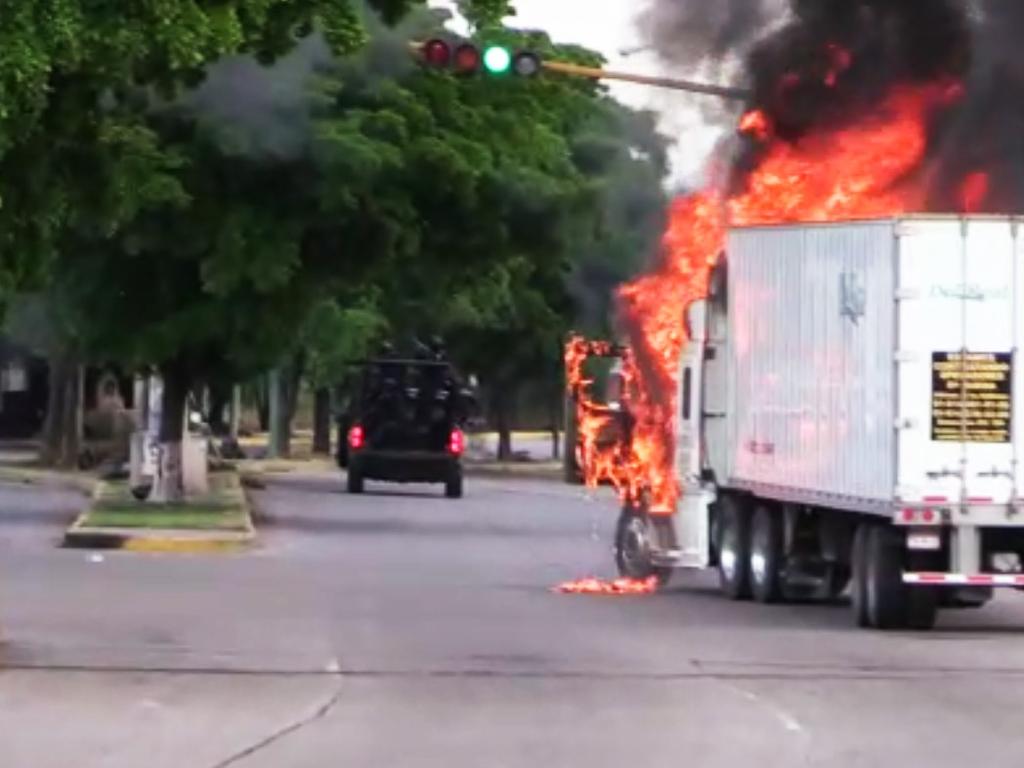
76, 79
80, 158
501, 196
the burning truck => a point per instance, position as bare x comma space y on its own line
821, 381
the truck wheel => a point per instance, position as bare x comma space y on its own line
891, 604
453, 486
633, 549
734, 548
766, 555
859, 591
355, 480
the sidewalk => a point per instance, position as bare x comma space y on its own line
220, 521
19, 465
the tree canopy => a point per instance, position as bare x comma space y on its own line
265, 176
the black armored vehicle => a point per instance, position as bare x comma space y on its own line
405, 423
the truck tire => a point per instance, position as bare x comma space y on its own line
891, 604
766, 555
355, 479
734, 548
859, 591
453, 485
633, 548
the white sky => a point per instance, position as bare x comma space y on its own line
609, 27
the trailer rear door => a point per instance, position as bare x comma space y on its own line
958, 380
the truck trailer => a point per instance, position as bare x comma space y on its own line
849, 403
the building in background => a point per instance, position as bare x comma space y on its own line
24, 388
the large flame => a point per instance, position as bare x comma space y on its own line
866, 168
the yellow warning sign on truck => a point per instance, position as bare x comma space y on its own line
972, 397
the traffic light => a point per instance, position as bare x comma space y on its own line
497, 60
468, 59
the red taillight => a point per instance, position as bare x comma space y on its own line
356, 438
456, 442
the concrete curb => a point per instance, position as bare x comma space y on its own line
162, 541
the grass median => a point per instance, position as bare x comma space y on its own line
223, 511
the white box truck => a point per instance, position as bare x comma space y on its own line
850, 415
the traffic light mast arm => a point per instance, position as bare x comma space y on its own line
498, 60
596, 73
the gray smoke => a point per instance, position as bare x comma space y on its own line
986, 133
706, 33
263, 110
270, 110
783, 47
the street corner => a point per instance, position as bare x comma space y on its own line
219, 522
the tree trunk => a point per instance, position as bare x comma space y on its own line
262, 392
72, 418
278, 446
296, 370
502, 403
322, 422
556, 441
293, 388
288, 383
220, 397
169, 484
62, 432
50, 450
236, 410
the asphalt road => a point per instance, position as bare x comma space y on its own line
402, 629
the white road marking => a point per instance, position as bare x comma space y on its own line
788, 721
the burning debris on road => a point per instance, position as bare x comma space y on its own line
615, 588
860, 109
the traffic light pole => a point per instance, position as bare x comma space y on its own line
596, 73
441, 48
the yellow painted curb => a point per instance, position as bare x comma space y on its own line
172, 546
127, 541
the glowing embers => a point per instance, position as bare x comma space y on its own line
613, 588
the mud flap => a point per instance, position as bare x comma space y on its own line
693, 528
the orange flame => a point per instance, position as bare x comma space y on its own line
594, 586
756, 124
973, 191
869, 168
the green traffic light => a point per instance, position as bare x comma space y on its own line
497, 60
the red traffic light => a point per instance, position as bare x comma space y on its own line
467, 59
437, 53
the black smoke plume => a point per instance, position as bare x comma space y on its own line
814, 63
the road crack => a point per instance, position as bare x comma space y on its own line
316, 715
